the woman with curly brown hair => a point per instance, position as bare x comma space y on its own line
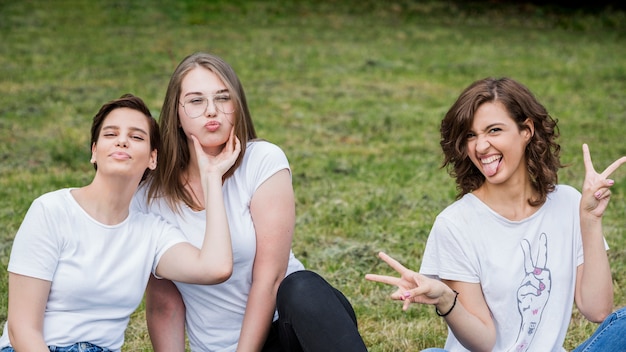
504, 263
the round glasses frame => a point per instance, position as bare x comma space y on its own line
196, 106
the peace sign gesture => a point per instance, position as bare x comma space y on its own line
412, 287
596, 193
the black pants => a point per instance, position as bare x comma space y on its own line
313, 316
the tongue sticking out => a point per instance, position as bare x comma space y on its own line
491, 168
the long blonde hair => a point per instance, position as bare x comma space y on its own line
174, 155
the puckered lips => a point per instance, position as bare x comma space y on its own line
490, 164
120, 155
212, 126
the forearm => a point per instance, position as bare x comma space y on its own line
27, 339
216, 250
474, 334
165, 316
258, 318
595, 292
28, 297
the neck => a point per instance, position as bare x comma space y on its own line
107, 200
508, 200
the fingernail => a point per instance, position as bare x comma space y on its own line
598, 194
407, 294
611, 182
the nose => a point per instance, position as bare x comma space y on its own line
211, 109
122, 141
482, 144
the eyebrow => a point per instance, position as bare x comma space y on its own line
114, 127
224, 90
490, 126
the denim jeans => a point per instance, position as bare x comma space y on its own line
609, 337
77, 347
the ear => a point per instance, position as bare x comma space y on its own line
153, 160
529, 130
93, 154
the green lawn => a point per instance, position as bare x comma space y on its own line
353, 91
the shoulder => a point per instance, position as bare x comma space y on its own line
149, 222
461, 206
258, 148
58, 199
261, 154
565, 193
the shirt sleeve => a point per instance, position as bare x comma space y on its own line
37, 246
265, 159
169, 236
448, 254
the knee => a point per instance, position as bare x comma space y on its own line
302, 286
299, 283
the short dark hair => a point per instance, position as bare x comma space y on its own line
131, 102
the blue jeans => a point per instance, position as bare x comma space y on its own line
609, 337
77, 347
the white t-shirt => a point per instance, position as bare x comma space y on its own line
215, 313
98, 272
526, 268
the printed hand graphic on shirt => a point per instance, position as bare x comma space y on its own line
534, 291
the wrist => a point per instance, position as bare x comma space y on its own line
447, 305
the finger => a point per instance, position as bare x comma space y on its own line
237, 145
406, 304
392, 262
390, 280
399, 295
232, 140
602, 194
614, 166
587, 158
196, 144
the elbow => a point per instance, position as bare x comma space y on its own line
16, 336
216, 275
12, 336
223, 275
598, 312
598, 316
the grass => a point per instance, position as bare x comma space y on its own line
352, 90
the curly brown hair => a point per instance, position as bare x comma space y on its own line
542, 152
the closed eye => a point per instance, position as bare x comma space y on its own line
196, 100
222, 98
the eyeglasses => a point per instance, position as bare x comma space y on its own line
196, 106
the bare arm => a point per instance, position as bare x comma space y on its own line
594, 285
469, 319
165, 310
165, 316
28, 297
273, 214
213, 263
